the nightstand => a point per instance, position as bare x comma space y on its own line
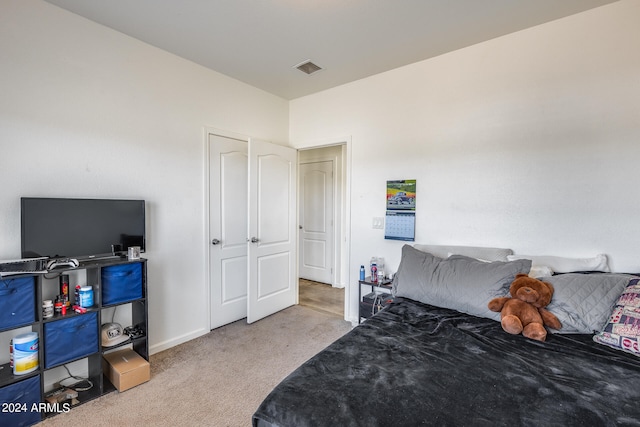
379, 297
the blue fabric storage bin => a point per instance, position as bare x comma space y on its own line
70, 339
22, 395
121, 283
17, 302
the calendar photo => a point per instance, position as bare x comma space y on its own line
400, 226
401, 195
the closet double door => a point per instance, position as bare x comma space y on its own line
252, 229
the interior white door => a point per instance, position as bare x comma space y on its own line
316, 221
273, 284
228, 164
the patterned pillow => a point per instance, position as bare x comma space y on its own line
623, 329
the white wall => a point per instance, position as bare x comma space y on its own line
530, 141
88, 112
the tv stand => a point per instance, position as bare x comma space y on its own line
102, 258
57, 347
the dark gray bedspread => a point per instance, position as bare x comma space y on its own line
415, 364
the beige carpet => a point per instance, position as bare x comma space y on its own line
218, 379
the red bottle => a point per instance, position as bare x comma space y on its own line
64, 289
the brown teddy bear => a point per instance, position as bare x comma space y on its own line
524, 311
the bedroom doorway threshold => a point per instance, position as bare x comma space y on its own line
321, 297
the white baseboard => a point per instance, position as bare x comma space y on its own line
353, 320
165, 345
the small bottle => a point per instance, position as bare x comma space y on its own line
362, 273
64, 289
11, 354
374, 273
380, 265
77, 295
57, 306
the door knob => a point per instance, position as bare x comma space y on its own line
254, 240
215, 242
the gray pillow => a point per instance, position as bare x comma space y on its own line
458, 282
584, 302
483, 253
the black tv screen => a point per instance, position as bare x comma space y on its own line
80, 228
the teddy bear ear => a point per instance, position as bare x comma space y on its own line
521, 275
550, 286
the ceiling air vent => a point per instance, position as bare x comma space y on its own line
308, 67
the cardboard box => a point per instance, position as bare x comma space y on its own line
126, 369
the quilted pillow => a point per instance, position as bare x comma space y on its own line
458, 282
583, 302
622, 331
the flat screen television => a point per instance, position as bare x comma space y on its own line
80, 228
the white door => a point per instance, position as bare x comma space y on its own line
316, 221
273, 283
228, 220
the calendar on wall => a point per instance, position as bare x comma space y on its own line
400, 221
400, 226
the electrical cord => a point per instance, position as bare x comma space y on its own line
81, 379
377, 300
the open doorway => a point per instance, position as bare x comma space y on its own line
321, 216
321, 297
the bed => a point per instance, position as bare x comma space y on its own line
438, 356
